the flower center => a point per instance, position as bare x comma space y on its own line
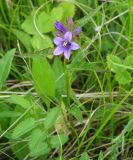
65, 43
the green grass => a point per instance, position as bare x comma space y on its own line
77, 109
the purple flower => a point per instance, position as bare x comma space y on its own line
65, 45
77, 31
70, 23
59, 26
62, 29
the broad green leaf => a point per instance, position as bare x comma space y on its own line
36, 145
40, 149
46, 21
56, 14
23, 127
28, 25
44, 78
5, 66
68, 9
123, 77
51, 117
60, 77
76, 112
44, 24
58, 140
19, 100
113, 63
24, 38
129, 61
40, 43
84, 156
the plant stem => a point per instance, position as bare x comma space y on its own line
68, 83
68, 88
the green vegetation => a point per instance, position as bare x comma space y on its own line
59, 109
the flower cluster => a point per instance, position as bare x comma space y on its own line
64, 38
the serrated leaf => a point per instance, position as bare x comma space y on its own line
40, 149
5, 66
46, 21
84, 156
44, 78
129, 61
123, 77
101, 157
28, 25
58, 140
76, 112
51, 117
57, 13
23, 127
40, 43
37, 145
68, 9
19, 100
113, 63
24, 38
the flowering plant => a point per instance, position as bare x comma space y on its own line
64, 38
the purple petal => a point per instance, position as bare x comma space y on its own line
67, 53
77, 31
59, 34
70, 23
58, 51
68, 36
60, 27
74, 46
58, 41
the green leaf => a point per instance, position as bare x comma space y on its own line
123, 77
5, 66
40, 43
19, 100
23, 127
60, 77
24, 38
51, 117
36, 145
113, 63
57, 14
68, 9
28, 25
44, 24
84, 156
20, 150
46, 21
129, 61
58, 140
44, 78
76, 112
107, 44
9, 114
101, 157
